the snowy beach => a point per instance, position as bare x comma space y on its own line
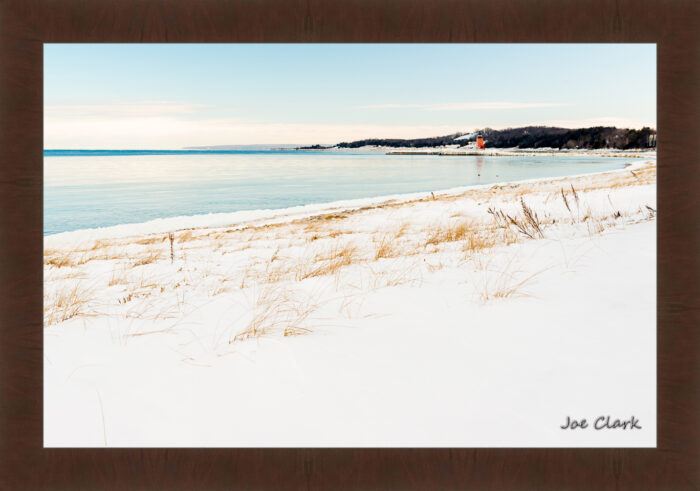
479, 316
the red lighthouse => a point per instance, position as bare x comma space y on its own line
480, 141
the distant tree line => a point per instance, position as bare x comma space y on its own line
533, 137
436, 141
589, 138
314, 147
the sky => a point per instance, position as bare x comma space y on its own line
170, 96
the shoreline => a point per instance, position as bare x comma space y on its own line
268, 216
523, 153
337, 312
493, 152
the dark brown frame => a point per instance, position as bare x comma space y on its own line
26, 24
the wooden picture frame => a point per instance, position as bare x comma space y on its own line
26, 24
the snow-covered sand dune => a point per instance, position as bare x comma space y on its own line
480, 317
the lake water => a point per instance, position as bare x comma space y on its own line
90, 189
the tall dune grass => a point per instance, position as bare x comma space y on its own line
447, 233
276, 311
65, 303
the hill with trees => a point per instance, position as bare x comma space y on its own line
436, 141
531, 137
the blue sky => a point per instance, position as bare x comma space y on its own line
177, 95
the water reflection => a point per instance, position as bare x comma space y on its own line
88, 192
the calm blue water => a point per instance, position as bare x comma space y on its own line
88, 189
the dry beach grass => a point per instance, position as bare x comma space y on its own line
356, 251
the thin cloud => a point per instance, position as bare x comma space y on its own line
122, 109
466, 106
